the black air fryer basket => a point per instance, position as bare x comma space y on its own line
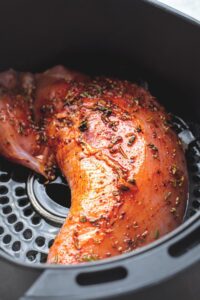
141, 41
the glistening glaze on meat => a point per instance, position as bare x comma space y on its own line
23, 97
21, 140
51, 89
125, 166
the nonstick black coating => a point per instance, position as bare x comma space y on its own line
126, 39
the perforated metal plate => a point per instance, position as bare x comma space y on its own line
24, 234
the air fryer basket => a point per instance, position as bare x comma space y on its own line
136, 40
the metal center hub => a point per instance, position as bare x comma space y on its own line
51, 200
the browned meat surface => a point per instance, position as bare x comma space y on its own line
115, 146
125, 166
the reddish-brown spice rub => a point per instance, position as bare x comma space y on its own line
21, 141
125, 166
114, 144
23, 137
51, 90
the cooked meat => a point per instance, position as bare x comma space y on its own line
114, 144
22, 98
125, 167
20, 138
51, 90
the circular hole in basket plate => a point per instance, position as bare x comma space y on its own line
16, 246
3, 190
7, 239
27, 234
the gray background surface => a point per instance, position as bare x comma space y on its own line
190, 7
